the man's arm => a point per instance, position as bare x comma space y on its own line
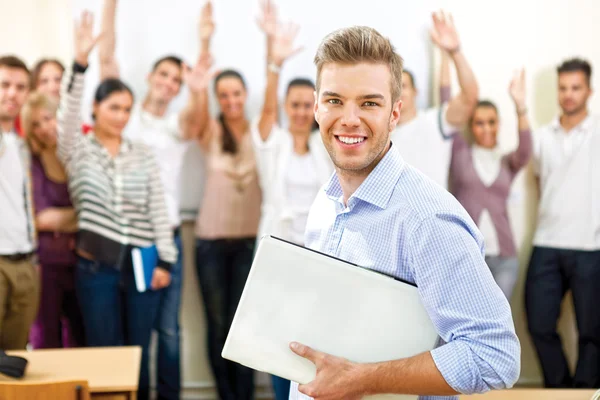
467, 307
445, 36
338, 378
109, 68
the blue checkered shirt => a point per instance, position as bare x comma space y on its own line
401, 223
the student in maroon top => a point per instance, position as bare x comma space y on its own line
481, 177
58, 323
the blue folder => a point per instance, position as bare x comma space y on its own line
144, 260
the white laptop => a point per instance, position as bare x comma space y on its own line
297, 294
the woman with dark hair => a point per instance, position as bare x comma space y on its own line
58, 322
228, 219
46, 77
118, 196
481, 177
292, 163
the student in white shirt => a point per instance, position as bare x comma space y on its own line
424, 137
566, 253
166, 134
292, 163
19, 281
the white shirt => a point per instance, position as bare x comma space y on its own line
487, 164
301, 187
14, 232
568, 166
425, 143
279, 214
163, 136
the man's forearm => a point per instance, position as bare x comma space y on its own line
416, 375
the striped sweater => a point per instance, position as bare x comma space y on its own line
119, 200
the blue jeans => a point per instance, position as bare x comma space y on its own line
281, 388
223, 266
168, 363
114, 312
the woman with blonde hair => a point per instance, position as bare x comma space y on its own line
58, 323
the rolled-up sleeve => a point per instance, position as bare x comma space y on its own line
469, 310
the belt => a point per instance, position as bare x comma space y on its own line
17, 256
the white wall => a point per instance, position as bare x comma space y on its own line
497, 37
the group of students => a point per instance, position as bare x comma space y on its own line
76, 199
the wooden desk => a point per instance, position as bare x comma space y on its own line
533, 394
111, 372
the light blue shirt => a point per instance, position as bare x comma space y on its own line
401, 223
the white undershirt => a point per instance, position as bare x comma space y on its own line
163, 136
301, 187
487, 164
14, 237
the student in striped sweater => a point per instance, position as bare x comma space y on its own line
117, 192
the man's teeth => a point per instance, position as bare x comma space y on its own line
351, 140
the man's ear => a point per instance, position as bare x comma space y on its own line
395, 114
316, 107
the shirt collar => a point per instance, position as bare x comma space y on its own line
377, 188
584, 125
124, 148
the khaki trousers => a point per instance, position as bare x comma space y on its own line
19, 301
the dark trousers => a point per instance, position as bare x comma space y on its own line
58, 323
115, 313
281, 387
168, 358
223, 266
552, 272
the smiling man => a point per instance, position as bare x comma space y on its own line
381, 213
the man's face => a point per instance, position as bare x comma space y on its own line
355, 113
14, 87
165, 81
573, 92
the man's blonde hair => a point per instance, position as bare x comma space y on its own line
360, 44
35, 101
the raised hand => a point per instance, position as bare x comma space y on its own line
84, 37
443, 32
517, 89
267, 22
198, 78
283, 43
207, 24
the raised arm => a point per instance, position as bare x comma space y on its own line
201, 80
194, 117
282, 48
109, 68
445, 36
69, 120
267, 22
520, 157
445, 89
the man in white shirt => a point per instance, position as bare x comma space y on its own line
424, 137
566, 253
166, 134
19, 283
